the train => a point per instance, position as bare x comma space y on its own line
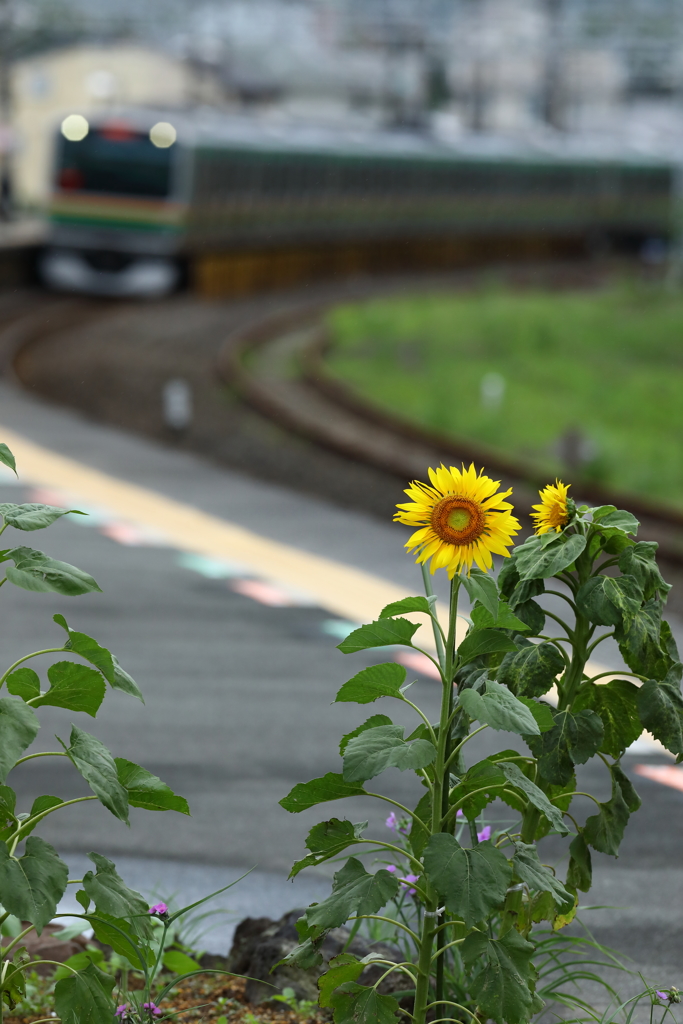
146, 200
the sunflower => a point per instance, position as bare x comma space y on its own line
461, 518
552, 513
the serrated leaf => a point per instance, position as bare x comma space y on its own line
534, 794
479, 642
372, 683
369, 723
480, 786
580, 870
537, 876
506, 619
542, 562
343, 968
541, 712
500, 709
639, 639
531, 671
616, 703
418, 835
100, 657
34, 570
473, 882
85, 998
605, 830
147, 790
382, 633
24, 683
573, 740
32, 886
358, 1004
640, 562
318, 791
502, 988
40, 804
7, 459
408, 604
532, 615
327, 839
112, 897
608, 600
96, 765
482, 587
368, 754
108, 930
33, 516
18, 728
615, 519
74, 687
660, 708
354, 891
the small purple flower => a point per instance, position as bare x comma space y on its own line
405, 884
392, 822
152, 1008
160, 909
664, 996
122, 1011
484, 834
391, 868
459, 814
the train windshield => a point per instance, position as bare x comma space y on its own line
117, 160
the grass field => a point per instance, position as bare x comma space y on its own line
539, 375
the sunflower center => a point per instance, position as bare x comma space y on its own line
458, 520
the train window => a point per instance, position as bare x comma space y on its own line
111, 159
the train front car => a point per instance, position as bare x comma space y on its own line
117, 213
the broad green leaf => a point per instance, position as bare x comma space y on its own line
608, 600
640, 561
100, 657
616, 703
34, 570
483, 641
178, 962
539, 562
13, 984
524, 591
32, 886
33, 516
96, 765
536, 797
532, 615
368, 754
383, 633
482, 618
580, 870
482, 587
18, 728
307, 954
532, 671
372, 683
327, 839
537, 876
343, 968
354, 891
480, 786
146, 790
615, 519
358, 1004
500, 709
108, 930
24, 683
85, 998
112, 897
541, 712
473, 882
318, 791
660, 707
8, 819
502, 987
639, 640
605, 830
418, 835
40, 804
369, 723
7, 459
573, 740
73, 686
408, 604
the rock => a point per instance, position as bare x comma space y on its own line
47, 945
260, 943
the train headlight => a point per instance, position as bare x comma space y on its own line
75, 127
163, 134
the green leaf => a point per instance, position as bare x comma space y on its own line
368, 754
74, 687
532, 615
640, 561
483, 641
609, 600
18, 728
534, 794
419, 834
108, 930
178, 962
146, 790
502, 987
83, 899
343, 968
100, 657
24, 683
616, 703
307, 954
354, 891
639, 640
33, 516
8, 819
358, 1004
473, 882
327, 839
7, 458
500, 709
482, 618
40, 804
542, 562
32, 886
34, 570
660, 707
524, 591
112, 897
85, 998
537, 876
580, 870
541, 712
369, 723
382, 633
372, 683
482, 587
615, 519
13, 984
96, 765
573, 740
532, 671
318, 791
480, 786
605, 830
408, 604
